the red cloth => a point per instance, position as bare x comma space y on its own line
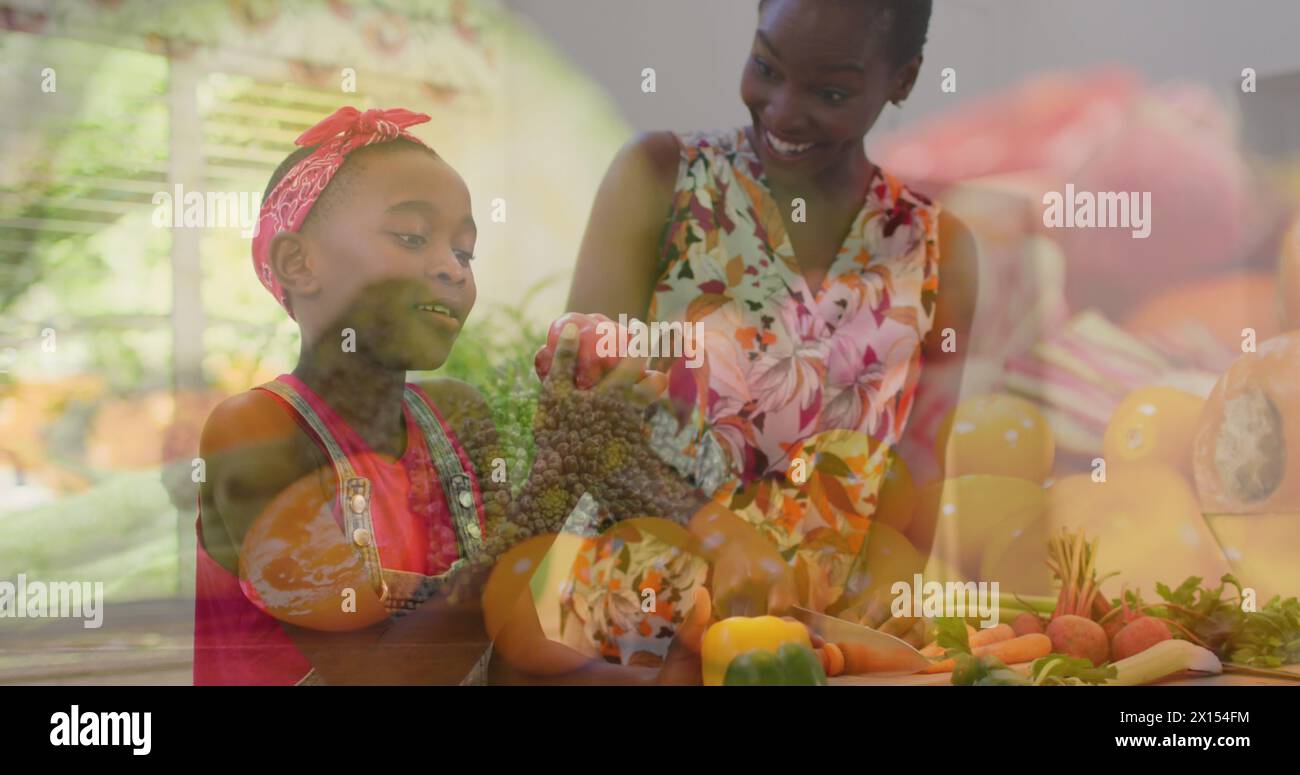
235, 642
344, 131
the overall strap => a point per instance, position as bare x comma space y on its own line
354, 490
457, 485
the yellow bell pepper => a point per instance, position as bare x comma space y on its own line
729, 638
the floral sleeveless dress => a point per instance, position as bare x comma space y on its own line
800, 395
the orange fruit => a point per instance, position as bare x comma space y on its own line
887, 557
302, 569
507, 596
1288, 277
1262, 550
1219, 307
1147, 521
1154, 424
897, 496
999, 435
958, 519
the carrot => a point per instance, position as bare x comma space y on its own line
988, 637
859, 659
834, 660
1022, 649
976, 638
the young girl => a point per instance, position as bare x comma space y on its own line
342, 509
815, 274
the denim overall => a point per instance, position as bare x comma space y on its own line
400, 591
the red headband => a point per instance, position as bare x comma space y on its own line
292, 198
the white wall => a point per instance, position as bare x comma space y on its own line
697, 47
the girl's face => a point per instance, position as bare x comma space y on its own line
817, 77
393, 260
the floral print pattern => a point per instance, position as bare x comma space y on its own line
784, 366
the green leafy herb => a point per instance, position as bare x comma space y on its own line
952, 636
1065, 670
1216, 617
984, 671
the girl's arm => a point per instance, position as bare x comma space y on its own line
256, 459
619, 256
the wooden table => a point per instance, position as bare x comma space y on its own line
944, 679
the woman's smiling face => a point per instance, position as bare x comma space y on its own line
818, 75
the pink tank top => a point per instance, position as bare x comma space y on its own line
415, 530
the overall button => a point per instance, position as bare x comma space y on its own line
473, 530
361, 537
358, 503
466, 498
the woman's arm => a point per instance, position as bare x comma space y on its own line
958, 291
619, 256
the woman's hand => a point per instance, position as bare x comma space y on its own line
591, 365
595, 441
749, 576
681, 665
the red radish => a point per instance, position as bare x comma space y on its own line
1079, 637
1026, 623
1115, 619
1113, 625
1138, 636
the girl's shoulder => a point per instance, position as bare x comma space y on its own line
247, 419
464, 411
454, 398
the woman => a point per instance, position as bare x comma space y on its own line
816, 276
